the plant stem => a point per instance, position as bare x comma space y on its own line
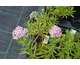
36, 38
38, 35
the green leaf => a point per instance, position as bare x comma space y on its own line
40, 57
38, 53
66, 17
72, 15
24, 52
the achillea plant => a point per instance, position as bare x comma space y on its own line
44, 39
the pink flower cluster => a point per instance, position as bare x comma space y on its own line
55, 31
19, 32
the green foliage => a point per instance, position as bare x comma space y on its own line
64, 47
60, 11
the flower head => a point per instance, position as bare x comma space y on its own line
33, 14
55, 31
19, 32
42, 9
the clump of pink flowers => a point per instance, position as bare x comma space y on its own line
19, 32
55, 31
33, 14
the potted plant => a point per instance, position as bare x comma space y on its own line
44, 39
